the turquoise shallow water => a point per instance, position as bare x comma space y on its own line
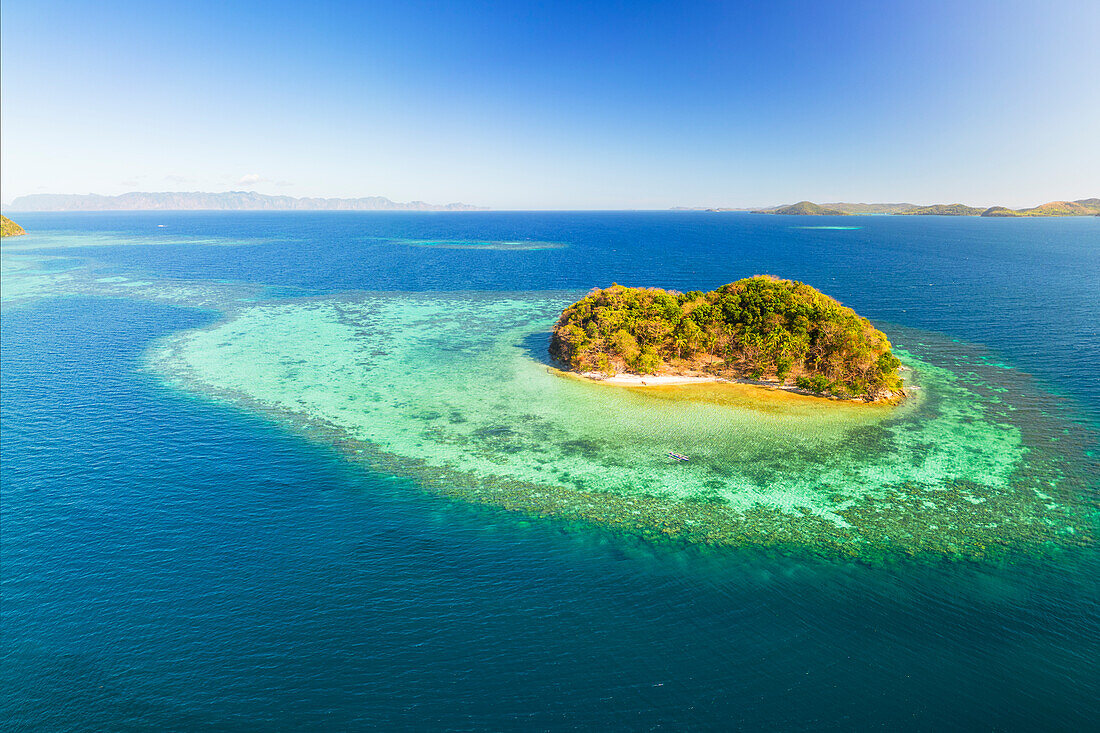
270, 464
455, 386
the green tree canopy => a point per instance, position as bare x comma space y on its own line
757, 327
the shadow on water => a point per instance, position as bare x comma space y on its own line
537, 346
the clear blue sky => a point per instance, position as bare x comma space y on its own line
556, 105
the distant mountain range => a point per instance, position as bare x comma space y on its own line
227, 201
1081, 207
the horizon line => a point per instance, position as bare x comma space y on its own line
443, 208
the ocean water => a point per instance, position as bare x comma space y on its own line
313, 470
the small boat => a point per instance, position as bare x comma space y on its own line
677, 456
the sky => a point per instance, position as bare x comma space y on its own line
540, 105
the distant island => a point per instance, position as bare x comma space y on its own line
841, 207
226, 201
805, 208
9, 228
761, 328
1081, 207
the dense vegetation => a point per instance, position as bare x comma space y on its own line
9, 228
759, 327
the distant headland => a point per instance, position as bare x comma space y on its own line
1080, 207
805, 208
226, 201
9, 228
760, 329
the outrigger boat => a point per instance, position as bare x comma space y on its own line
677, 456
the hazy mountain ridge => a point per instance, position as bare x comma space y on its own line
226, 201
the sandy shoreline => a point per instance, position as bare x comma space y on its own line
649, 380
625, 379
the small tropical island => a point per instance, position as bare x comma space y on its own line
9, 228
761, 329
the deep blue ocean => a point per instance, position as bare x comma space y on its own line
172, 563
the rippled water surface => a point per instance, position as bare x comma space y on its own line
285, 470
